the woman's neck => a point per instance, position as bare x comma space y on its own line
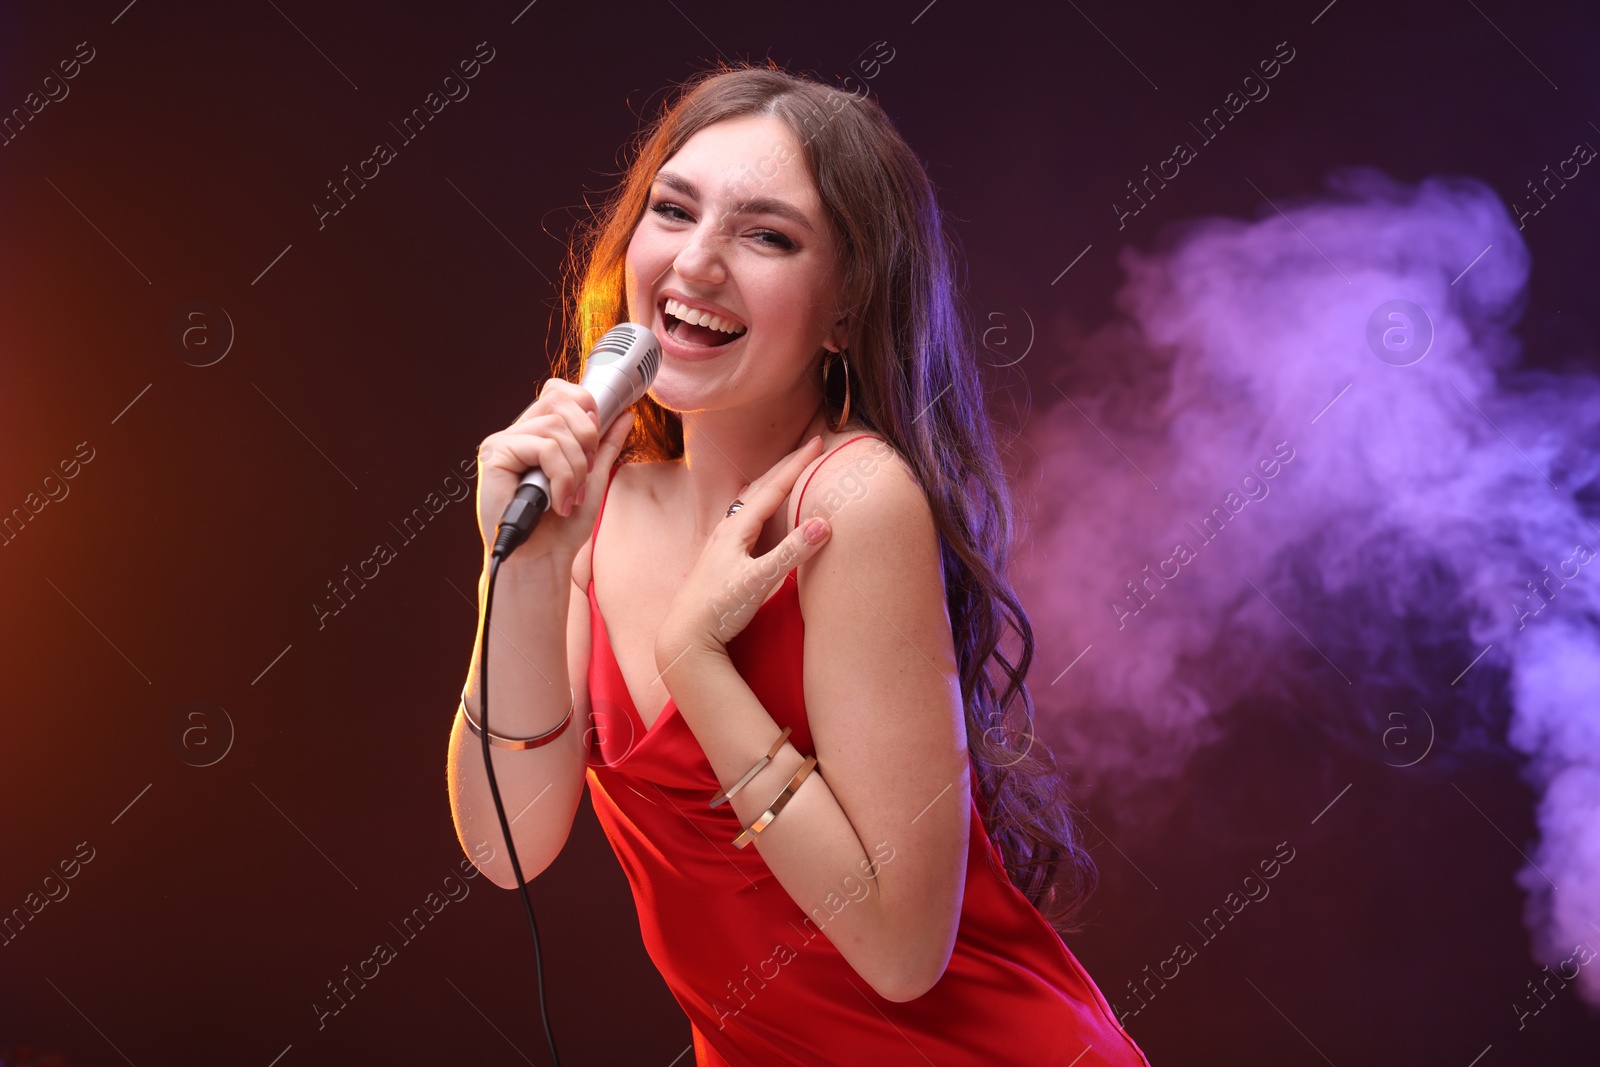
723, 450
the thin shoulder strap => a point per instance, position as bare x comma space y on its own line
594, 535
802, 498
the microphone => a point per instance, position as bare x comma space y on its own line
618, 372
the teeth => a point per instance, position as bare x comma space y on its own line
701, 318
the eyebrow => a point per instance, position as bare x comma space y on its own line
760, 205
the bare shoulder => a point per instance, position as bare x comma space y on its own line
883, 535
631, 483
583, 562
849, 471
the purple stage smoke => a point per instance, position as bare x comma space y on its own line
1302, 466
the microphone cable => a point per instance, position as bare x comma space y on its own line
619, 369
510, 533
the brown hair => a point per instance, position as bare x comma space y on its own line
914, 381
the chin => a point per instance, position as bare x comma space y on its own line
673, 394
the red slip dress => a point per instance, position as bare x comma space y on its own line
757, 976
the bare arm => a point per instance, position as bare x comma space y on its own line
539, 647
874, 847
539, 644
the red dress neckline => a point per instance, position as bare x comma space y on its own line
769, 987
670, 708
791, 581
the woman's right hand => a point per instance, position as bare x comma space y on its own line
560, 434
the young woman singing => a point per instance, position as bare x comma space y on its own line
770, 643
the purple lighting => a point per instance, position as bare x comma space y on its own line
1304, 465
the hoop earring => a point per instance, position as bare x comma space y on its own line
844, 413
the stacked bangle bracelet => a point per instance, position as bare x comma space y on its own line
520, 743
765, 819
727, 793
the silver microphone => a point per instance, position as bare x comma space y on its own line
617, 373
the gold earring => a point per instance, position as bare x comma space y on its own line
844, 413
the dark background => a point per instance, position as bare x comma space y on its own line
373, 355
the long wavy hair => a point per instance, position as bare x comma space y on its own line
914, 381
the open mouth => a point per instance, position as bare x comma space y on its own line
690, 327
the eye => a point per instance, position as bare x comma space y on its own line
666, 209
778, 239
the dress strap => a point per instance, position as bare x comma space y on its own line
801, 499
594, 535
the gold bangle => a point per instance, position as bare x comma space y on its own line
765, 819
521, 743
727, 793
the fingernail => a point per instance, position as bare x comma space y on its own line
582, 489
816, 530
742, 489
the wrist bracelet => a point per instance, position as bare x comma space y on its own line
749, 833
520, 743
753, 771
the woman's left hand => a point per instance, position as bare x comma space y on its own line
727, 585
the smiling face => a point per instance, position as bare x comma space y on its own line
734, 228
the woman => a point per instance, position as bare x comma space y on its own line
839, 852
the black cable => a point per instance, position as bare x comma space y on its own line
503, 547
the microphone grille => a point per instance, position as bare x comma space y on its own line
651, 362
627, 338
614, 345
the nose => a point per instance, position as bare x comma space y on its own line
700, 258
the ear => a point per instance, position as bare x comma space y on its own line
838, 337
